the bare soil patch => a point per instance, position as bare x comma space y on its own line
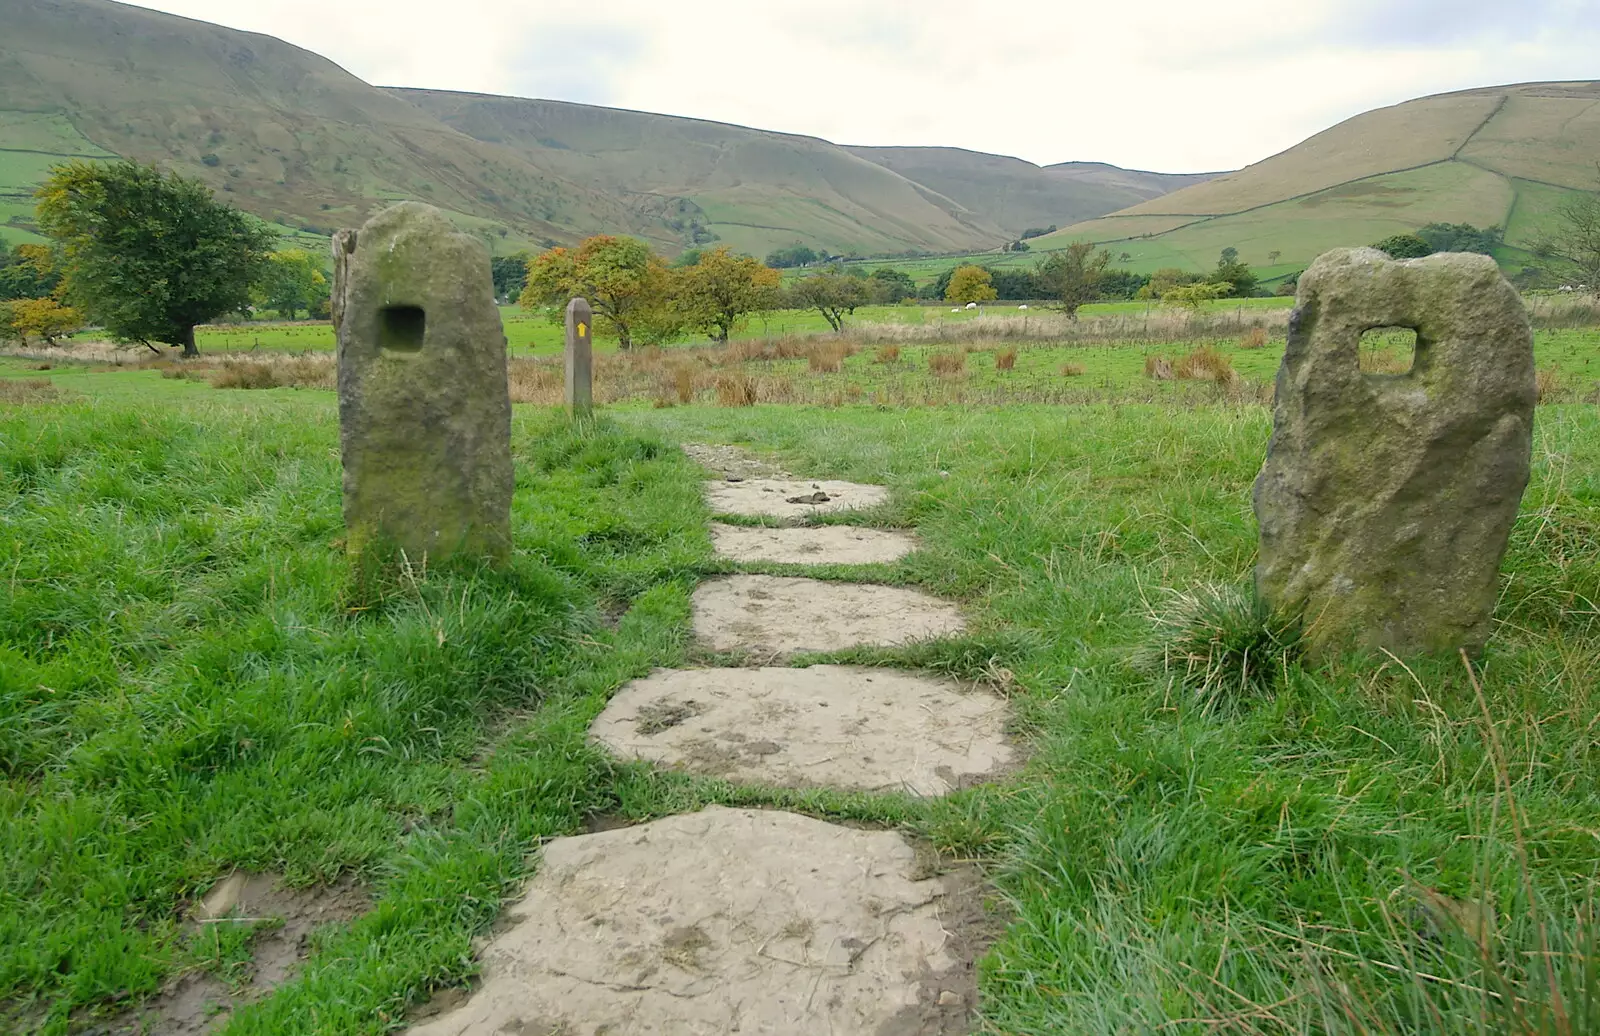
826, 726
201, 1002
731, 921
821, 545
777, 615
731, 462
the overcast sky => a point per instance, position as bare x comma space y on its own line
1170, 85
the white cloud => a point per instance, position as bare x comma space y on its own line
1162, 85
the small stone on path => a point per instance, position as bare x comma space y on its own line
777, 615
783, 498
820, 545
826, 726
730, 921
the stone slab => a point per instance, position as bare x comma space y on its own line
822, 545
778, 615
728, 921
827, 726
790, 498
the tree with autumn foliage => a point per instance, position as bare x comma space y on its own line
970, 284
45, 319
627, 285
148, 253
718, 292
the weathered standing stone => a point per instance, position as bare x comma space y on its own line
424, 404
1387, 501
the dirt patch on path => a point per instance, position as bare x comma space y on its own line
827, 726
731, 921
201, 1002
731, 462
777, 615
823, 545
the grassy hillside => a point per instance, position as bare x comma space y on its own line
1016, 195
284, 133
754, 190
1503, 156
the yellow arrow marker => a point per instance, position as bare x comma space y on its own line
583, 329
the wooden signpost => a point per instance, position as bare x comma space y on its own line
580, 358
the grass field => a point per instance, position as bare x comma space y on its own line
534, 334
193, 679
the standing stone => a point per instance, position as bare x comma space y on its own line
580, 358
1387, 501
424, 403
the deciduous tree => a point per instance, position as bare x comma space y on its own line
1574, 245
832, 294
1234, 272
1193, 296
1072, 276
1404, 246
291, 280
621, 277
44, 318
717, 293
150, 254
970, 284
29, 272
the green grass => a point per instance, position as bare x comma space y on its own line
193, 678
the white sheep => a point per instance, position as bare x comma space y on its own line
1022, 307
972, 305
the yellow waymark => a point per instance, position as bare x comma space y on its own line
583, 329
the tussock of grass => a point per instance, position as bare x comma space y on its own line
1222, 644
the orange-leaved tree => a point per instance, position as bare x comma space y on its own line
622, 278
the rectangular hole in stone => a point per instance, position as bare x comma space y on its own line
1389, 350
401, 328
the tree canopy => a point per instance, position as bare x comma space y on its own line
1404, 246
970, 284
1072, 275
830, 293
621, 277
149, 254
716, 293
1574, 244
292, 280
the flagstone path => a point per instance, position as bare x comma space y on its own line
762, 921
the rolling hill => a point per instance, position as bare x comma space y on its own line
1500, 156
297, 140
753, 189
1017, 195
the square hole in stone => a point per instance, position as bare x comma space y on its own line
1389, 350
401, 328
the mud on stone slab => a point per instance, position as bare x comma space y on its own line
731, 920
778, 615
791, 498
826, 726
819, 545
